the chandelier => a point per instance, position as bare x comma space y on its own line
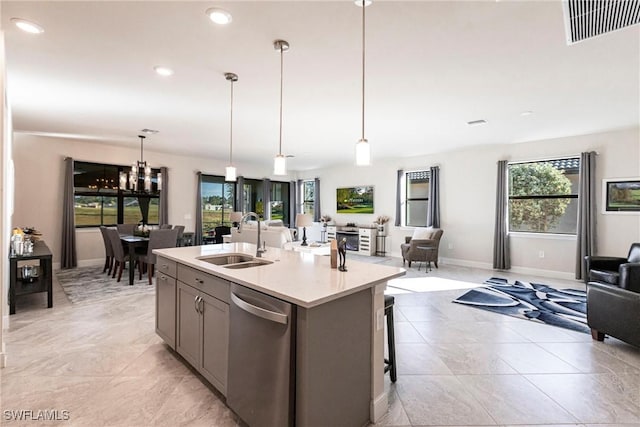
140, 178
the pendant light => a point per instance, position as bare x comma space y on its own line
280, 162
363, 150
230, 174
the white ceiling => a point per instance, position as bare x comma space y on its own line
431, 67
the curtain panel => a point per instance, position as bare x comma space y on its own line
266, 198
240, 194
398, 220
68, 256
293, 202
163, 209
501, 250
586, 239
198, 231
433, 211
316, 200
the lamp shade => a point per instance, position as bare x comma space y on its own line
363, 153
279, 165
230, 173
304, 220
235, 216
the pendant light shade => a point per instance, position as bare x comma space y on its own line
280, 162
363, 149
230, 171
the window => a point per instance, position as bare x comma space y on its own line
99, 201
416, 198
308, 197
543, 196
280, 201
217, 202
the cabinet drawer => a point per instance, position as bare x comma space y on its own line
214, 286
166, 266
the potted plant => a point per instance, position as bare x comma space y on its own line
324, 219
381, 222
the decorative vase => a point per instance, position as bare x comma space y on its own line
382, 229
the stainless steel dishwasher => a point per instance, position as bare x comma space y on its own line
261, 379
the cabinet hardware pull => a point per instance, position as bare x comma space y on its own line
195, 303
201, 305
259, 311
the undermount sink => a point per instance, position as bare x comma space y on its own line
255, 263
235, 261
226, 259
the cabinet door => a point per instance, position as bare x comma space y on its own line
215, 342
166, 308
188, 325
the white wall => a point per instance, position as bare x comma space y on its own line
40, 178
6, 188
468, 180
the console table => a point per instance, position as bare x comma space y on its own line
43, 283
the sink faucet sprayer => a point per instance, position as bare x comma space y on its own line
259, 249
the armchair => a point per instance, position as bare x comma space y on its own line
623, 272
614, 311
422, 237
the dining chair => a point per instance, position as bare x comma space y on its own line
126, 229
166, 227
120, 254
158, 239
108, 250
180, 229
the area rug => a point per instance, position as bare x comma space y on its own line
566, 308
88, 284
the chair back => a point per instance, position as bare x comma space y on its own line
180, 229
634, 253
221, 230
116, 244
126, 229
166, 227
159, 239
108, 250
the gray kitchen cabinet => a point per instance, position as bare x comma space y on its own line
202, 336
166, 302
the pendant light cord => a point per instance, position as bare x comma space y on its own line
363, 63
281, 84
231, 128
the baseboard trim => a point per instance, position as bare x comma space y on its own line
552, 274
379, 407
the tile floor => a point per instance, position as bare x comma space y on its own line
103, 363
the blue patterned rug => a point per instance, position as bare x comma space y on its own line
566, 308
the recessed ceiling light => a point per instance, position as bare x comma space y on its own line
526, 113
366, 2
219, 16
163, 71
149, 131
27, 26
477, 122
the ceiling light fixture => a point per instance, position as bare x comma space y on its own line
163, 71
280, 161
363, 149
27, 26
230, 171
140, 177
219, 16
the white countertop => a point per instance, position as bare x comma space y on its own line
303, 279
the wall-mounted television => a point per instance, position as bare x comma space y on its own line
354, 200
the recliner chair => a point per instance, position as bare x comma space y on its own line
624, 272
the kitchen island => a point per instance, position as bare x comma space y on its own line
331, 373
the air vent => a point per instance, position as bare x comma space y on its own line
477, 122
149, 131
590, 18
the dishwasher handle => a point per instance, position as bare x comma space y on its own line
259, 311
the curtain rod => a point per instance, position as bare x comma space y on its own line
542, 159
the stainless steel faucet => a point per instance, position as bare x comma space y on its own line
259, 249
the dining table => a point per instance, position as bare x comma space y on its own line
133, 242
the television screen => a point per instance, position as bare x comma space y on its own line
355, 200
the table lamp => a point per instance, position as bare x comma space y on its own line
304, 221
